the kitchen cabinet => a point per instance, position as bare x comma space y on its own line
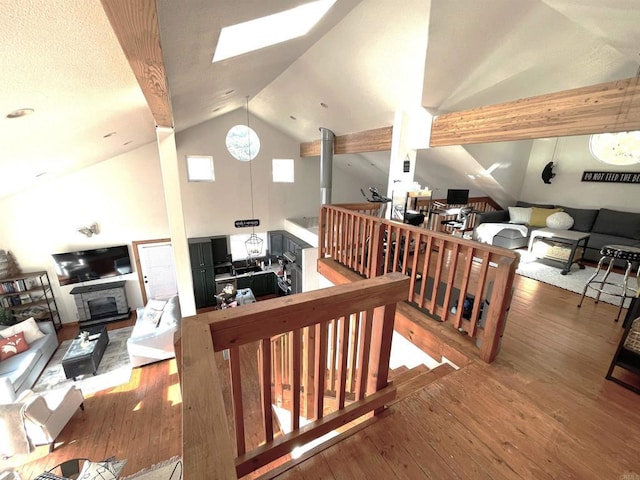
204, 287
200, 252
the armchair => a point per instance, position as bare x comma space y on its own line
46, 414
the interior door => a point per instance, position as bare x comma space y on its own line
157, 270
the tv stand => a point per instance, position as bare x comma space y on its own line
101, 303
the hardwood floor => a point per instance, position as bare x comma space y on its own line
140, 421
543, 410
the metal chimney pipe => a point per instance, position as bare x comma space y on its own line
326, 164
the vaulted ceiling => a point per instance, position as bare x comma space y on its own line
365, 60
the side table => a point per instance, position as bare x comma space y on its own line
571, 238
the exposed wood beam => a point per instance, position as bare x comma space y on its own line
607, 107
135, 24
376, 140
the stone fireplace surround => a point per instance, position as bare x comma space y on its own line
101, 303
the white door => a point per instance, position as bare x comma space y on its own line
158, 270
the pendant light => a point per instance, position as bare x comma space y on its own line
254, 243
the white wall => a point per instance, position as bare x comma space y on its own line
123, 195
571, 159
212, 208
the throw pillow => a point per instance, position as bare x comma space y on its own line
539, 216
107, 470
560, 221
28, 326
520, 215
12, 346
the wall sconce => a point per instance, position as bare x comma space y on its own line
90, 230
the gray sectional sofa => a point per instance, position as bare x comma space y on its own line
606, 227
20, 372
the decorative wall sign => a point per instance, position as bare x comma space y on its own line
406, 166
254, 222
611, 177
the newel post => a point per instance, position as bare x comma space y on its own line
381, 338
500, 300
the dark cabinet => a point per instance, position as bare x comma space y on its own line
276, 246
261, 284
295, 273
200, 252
204, 287
202, 271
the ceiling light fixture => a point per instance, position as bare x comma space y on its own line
621, 148
262, 32
21, 112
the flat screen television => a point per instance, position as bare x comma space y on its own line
87, 265
457, 196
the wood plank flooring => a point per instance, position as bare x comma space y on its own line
543, 410
140, 421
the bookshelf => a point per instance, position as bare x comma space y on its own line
29, 295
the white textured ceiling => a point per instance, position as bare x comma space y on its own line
62, 59
365, 60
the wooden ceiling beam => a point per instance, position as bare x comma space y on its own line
606, 107
136, 27
376, 140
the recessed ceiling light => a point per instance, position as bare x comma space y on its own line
229, 92
110, 134
41, 174
217, 109
292, 117
127, 143
21, 112
262, 32
324, 105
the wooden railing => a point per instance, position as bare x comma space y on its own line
208, 451
478, 204
461, 282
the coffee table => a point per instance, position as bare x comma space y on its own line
572, 238
83, 358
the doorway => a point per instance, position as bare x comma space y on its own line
156, 268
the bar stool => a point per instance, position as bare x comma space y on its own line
622, 252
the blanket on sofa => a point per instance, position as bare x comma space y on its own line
485, 232
13, 435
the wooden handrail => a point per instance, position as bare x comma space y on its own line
373, 300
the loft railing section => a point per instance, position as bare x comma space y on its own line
333, 342
460, 282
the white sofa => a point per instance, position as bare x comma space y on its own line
155, 332
21, 371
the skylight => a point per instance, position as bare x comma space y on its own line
265, 31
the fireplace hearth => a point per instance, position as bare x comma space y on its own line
102, 303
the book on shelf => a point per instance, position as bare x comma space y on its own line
25, 298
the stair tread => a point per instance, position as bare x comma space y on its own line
408, 373
418, 382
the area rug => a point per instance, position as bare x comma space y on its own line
114, 368
574, 281
168, 470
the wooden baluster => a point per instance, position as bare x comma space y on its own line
277, 373
425, 272
321, 367
265, 364
463, 289
332, 354
356, 244
381, 337
236, 398
407, 247
322, 234
450, 284
343, 345
294, 359
482, 280
350, 241
414, 266
353, 353
364, 349
332, 234
308, 371
436, 276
